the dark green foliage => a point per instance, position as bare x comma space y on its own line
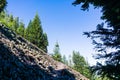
106, 39
3, 3
80, 64
3, 18
21, 29
15, 24
34, 33
109, 45
57, 56
2, 14
7, 20
45, 42
11, 20
28, 31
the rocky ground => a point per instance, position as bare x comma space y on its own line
21, 60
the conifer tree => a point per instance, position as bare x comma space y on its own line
56, 55
70, 61
15, 24
11, 20
34, 33
2, 17
3, 4
37, 31
80, 64
21, 29
45, 42
64, 60
106, 38
28, 31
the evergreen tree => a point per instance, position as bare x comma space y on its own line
45, 42
21, 29
37, 31
6, 19
80, 64
10, 22
11, 18
2, 17
106, 39
27, 31
3, 4
57, 55
70, 61
15, 24
34, 33
64, 60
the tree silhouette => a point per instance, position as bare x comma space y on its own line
3, 3
106, 38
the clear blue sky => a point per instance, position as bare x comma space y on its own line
62, 22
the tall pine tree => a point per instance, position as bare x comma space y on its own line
34, 33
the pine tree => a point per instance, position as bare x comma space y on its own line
64, 60
21, 29
70, 61
28, 31
15, 24
10, 21
34, 33
45, 42
3, 4
80, 64
2, 17
57, 56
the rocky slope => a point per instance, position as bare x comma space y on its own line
21, 60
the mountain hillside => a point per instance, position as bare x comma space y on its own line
21, 60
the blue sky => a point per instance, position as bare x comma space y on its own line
62, 22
